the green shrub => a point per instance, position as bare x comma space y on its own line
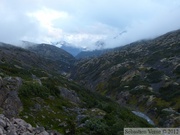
154, 76
54, 91
33, 89
170, 91
177, 70
97, 126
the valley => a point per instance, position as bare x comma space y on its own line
142, 75
53, 91
36, 89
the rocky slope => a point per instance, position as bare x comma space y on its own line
17, 126
70, 48
34, 58
53, 53
10, 103
32, 91
91, 54
143, 75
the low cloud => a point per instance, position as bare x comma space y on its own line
82, 23
161, 23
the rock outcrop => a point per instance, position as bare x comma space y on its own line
9, 100
16, 126
10, 106
70, 95
143, 75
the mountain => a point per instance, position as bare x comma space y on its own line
35, 98
93, 53
99, 50
120, 34
100, 47
18, 56
50, 52
101, 97
26, 44
70, 48
143, 75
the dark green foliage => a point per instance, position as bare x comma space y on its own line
170, 92
97, 126
113, 84
141, 91
177, 70
178, 110
9, 69
54, 91
108, 108
135, 80
155, 57
154, 76
33, 89
121, 71
111, 124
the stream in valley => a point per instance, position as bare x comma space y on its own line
142, 115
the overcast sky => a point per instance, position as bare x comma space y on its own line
83, 22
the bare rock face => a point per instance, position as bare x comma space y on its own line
70, 95
123, 97
9, 100
16, 126
11, 105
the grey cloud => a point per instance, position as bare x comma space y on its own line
90, 20
15, 27
14, 24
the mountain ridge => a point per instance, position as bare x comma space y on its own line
63, 59
49, 100
143, 76
146, 70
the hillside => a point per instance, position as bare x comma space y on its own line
70, 48
91, 54
143, 75
25, 59
33, 89
53, 53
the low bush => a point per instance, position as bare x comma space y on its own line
33, 89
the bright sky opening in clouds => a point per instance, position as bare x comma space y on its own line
83, 22
46, 16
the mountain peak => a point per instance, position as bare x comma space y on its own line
70, 48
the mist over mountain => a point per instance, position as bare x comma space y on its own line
49, 91
142, 75
46, 22
70, 48
89, 67
91, 54
36, 88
